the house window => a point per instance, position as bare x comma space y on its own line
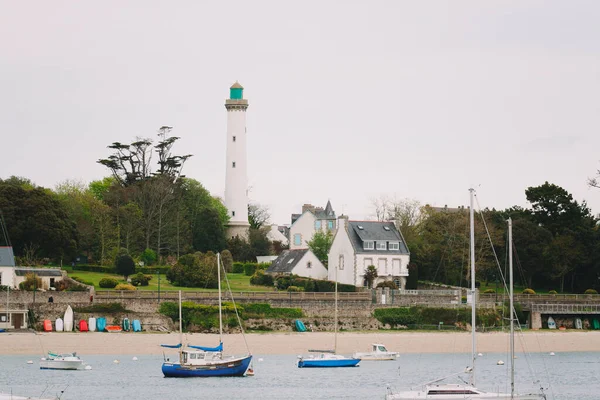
233, 213
233, 164
309, 265
394, 246
368, 262
234, 138
396, 266
341, 262
382, 266
368, 245
330, 225
318, 225
381, 246
297, 239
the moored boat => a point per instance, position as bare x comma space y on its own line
67, 361
113, 328
327, 360
378, 353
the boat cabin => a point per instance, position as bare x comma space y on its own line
379, 348
191, 357
450, 389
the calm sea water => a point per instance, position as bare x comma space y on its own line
567, 376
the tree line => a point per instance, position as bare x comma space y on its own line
556, 241
150, 210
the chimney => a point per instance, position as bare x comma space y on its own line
307, 207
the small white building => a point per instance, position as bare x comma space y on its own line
301, 262
359, 244
311, 220
275, 235
13, 318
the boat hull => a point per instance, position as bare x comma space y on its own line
483, 396
232, 367
328, 363
62, 364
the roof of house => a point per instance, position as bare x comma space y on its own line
286, 261
360, 231
19, 271
327, 213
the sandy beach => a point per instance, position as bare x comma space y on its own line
29, 343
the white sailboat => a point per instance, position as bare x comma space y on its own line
435, 390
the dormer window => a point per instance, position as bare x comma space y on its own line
394, 246
368, 245
381, 246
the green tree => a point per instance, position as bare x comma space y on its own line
370, 275
124, 264
148, 256
320, 244
227, 260
195, 270
209, 231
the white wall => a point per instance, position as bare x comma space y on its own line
236, 179
316, 271
342, 246
387, 264
8, 276
305, 227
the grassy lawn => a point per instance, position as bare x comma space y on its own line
238, 282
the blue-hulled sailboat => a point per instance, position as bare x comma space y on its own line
329, 358
202, 361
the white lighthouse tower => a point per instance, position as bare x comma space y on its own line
236, 176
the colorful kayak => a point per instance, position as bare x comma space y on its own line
101, 324
137, 326
114, 328
83, 326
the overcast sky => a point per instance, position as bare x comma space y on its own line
349, 100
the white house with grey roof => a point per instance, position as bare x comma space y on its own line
359, 244
312, 219
301, 262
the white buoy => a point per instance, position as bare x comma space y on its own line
88, 367
552, 353
116, 361
480, 355
134, 358
500, 362
29, 362
261, 360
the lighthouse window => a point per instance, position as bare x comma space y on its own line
234, 138
233, 213
233, 164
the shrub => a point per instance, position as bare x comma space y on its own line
591, 291
227, 259
108, 283
31, 282
162, 269
395, 316
552, 292
94, 268
195, 270
238, 268
124, 264
528, 291
388, 284
489, 291
249, 269
260, 278
295, 289
125, 286
140, 279
148, 256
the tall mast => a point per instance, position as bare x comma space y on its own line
473, 306
180, 329
512, 320
335, 314
220, 313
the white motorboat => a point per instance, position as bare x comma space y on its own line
378, 353
68, 361
10, 396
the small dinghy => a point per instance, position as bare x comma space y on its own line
92, 324
83, 326
137, 326
578, 323
59, 325
68, 319
551, 323
126, 325
47, 325
101, 324
114, 328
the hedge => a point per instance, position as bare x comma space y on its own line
111, 270
108, 283
238, 268
311, 285
249, 269
403, 316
